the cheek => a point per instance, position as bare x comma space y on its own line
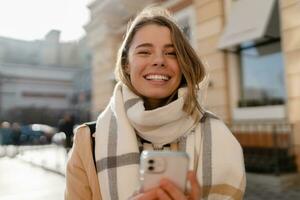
134, 74
176, 69
135, 68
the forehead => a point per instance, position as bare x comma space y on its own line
153, 34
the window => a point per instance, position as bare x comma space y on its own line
262, 75
186, 27
186, 20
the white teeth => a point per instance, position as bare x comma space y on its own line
157, 77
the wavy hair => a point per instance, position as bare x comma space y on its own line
190, 64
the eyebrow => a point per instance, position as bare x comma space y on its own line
151, 45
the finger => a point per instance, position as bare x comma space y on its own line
196, 189
149, 195
172, 190
162, 195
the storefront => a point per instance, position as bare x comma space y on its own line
250, 49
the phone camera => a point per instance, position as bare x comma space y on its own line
151, 161
150, 168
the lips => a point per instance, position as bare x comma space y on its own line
157, 77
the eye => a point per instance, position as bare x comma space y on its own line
171, 53
143, 52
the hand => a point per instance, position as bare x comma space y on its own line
148, 195
169, 191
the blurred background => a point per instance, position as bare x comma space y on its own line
56, 71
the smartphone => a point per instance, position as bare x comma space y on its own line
155, 165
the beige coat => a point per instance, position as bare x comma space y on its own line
81, 177
82, 180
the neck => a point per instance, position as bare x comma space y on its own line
151, 104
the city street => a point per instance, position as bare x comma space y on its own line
23, 181
217, 77
37, 173
262, 187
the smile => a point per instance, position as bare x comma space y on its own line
158, 77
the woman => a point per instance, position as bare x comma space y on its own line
155, 106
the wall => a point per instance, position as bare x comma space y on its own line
210, 23
290, 27
38, 86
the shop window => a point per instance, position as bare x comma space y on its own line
262, 75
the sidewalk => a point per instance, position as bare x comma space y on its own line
23, 181
259, 187
50, 157
264, 187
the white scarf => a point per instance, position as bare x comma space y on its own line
117, 152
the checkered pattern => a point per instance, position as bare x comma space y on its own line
214, 153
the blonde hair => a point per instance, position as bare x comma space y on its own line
190, 64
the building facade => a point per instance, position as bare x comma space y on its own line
45, 75
27, 85
253, 67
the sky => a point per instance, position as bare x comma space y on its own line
33, 19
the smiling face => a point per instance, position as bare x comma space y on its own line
153, 66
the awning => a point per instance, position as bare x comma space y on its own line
250, 21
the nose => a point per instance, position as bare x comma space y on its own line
159, 60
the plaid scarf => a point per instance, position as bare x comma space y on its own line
125, 120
